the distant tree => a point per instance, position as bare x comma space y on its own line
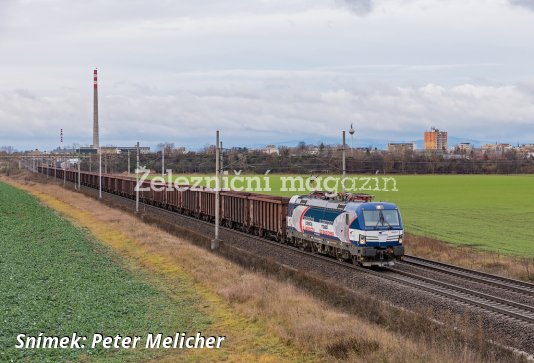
168, 147
7, 149
207, 149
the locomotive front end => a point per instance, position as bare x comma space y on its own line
377, 234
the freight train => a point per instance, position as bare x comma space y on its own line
349, 227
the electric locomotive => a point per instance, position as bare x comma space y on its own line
347, 227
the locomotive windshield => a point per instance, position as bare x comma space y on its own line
381, 218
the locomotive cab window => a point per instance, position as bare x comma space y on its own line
381, 218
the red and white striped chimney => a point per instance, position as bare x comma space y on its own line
96, 141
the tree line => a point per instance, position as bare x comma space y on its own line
357, 161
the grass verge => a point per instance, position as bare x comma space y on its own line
57, 280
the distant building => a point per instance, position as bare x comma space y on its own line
36, 152
86, 150
489, 147
271, 150
455, 156
312, 150
526, 149
401, 147
113, 149
502, 148
180, 150
496, 149
464, 147
436, 140
132, 149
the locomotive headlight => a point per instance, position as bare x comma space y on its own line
362, 239
400, 239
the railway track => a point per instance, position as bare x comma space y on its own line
506, 308
505, 283
502, 306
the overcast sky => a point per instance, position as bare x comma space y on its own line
265, 71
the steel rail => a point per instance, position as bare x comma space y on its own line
478, 276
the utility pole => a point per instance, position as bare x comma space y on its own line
75, 178
351, 132
344, 165
137, 181
99, 173
55, 168
215, 241
163, 160
221, 168
64, 172
128, 162
79, 174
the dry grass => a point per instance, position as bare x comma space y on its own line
255, 311
491, 262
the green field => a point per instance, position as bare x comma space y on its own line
493, 212
57, 280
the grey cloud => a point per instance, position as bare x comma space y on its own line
5, 6
176, 70
360, 7
253, 108
529, 4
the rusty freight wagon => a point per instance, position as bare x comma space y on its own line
88, 179
234, 210
206, 204
128, 188
190, 202
267, 216
158, 194
173, 198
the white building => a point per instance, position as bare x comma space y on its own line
271, 150
464, 146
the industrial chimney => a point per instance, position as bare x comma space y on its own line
96, 141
